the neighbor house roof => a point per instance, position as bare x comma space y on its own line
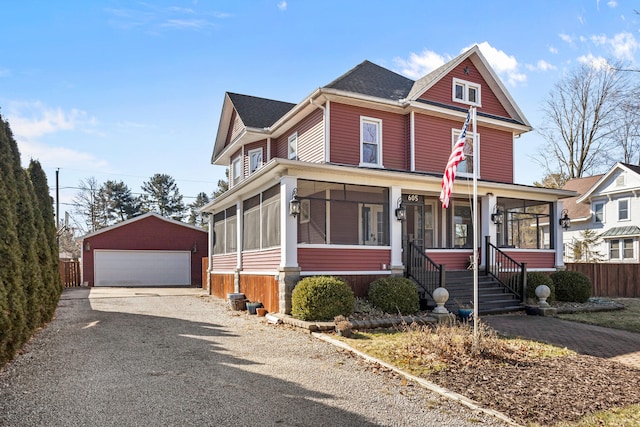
622, 166
140, 218
581, 186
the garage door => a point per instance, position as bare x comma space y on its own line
141, 268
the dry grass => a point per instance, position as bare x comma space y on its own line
627, 319
533, 383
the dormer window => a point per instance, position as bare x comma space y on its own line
466, 92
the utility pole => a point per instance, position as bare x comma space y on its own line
57, 205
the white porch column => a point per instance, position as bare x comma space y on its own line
395, 230
239, 228
288, 224
488, 228
559, 234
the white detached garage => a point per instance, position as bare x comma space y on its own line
148, 250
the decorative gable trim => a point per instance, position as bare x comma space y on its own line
618, 167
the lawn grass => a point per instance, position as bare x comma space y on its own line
627, 319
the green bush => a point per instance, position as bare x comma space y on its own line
394, 295
535, 279
572, 286
321, 298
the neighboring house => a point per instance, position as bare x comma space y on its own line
353, 159
148, 250
608, 205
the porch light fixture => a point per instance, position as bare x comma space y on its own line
565, 221
497, 216
401, 211
294, 204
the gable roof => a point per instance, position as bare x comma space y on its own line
141, 218
370, 79
258, 112
581, 186
605, 177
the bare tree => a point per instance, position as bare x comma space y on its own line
581, 115
87, 204
626, 134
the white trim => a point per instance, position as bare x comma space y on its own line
269, 149
343, 273
466, 85
378, 123
259, 272
624, 199
223, 272
327, 132
593, 209
412, 139
332, 246
240, 176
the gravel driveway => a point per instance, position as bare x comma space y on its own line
175, 357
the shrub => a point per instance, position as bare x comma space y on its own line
394, 295
571, 286
321, 298
535, 279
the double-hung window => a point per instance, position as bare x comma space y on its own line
621, 249
370, 141
623, 210
466, 92
255, 159
598, 212
465, 167
236, 171
292, 146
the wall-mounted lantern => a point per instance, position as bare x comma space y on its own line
401, 211
294, 204
565, 221
497, 216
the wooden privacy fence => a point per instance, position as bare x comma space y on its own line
611, 280
70, 273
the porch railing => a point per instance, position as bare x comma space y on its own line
509, 272
423, 269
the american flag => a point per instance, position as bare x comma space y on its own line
457, 155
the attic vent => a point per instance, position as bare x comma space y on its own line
620, 180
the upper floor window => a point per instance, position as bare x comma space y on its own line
255, 159
236, 169
466, 92
370, 141
292, 145
623, 210
465, 167
598, 212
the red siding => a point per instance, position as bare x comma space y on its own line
345, 135
534, 259
310, 139
261, 260
433, 142
453, 260
442, 91
149, 233
336, 259
224, 262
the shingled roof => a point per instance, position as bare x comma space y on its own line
580, 186
258, 112
370, 79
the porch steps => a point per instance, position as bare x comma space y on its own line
493, 298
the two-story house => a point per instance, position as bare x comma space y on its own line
345, 181
605, 225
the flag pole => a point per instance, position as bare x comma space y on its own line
475, 229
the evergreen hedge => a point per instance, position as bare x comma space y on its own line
30, 284
395, 295
322, 298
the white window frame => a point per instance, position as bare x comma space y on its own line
292, 153
236, 177
378, 123
595, 212
455, 133
466, 86
254, 153
628, 217
620, 248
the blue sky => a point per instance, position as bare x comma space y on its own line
122, 90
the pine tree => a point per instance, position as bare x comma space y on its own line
161, 195
195, 217
116, 203
13, 322
47, 236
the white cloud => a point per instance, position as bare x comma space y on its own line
622, 45
596, 62
612, 4
541, 65
31, 121
282, 5
152, 18
566, 38
506, 66
418, 65
553, 49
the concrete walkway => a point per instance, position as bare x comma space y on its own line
612, 344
